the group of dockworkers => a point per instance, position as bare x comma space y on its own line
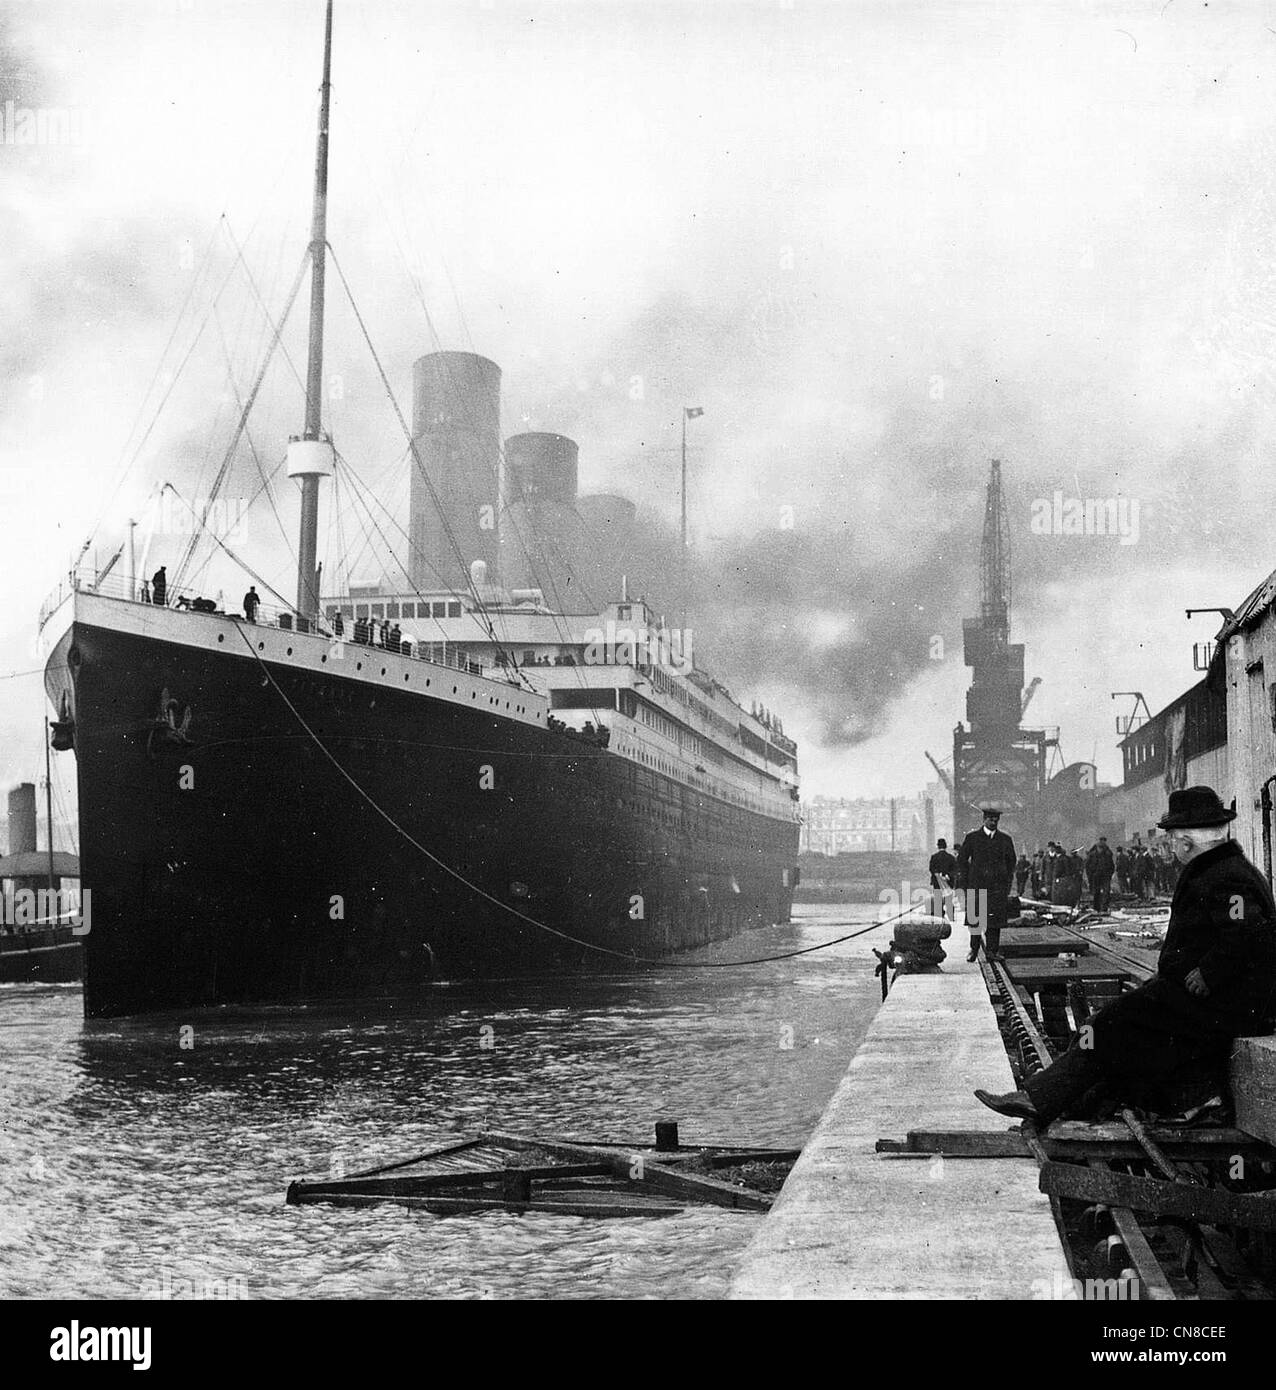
1056, 876
1164, 1046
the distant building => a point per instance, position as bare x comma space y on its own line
841, 826
1244, 667
1185, 745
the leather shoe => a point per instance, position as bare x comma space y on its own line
1014, 1104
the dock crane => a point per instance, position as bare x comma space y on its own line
941, 774
1027, 696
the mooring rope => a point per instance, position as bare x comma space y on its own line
513, 911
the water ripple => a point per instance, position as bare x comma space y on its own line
133, 1167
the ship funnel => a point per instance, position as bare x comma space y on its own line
540, 531
454, 496
541, 468
22, 818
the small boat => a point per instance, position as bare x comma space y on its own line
519, 1173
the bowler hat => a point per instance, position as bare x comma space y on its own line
1195, 806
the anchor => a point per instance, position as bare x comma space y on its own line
166, 725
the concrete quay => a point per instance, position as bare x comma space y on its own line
851, 1223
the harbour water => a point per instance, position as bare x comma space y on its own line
150, 1158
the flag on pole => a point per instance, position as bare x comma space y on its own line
692, 411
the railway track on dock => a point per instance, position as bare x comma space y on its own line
1169, 1228
1137, 964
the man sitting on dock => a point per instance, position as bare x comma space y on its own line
1171, 1038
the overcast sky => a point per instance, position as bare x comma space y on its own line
878, 243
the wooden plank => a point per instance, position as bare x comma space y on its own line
1041, 941
420, 1184
959, 1143
1080, 1141
1214, 1205
420, 1158
671, 1182
1253, 1078
1160, 1160
460, 1206
1032, 974
667, 1180
1220, 1137
717, 1154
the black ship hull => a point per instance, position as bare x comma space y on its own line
229, 858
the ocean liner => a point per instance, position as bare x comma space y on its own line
439, 777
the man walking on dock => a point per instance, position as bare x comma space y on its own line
1168, 1041
1023, 868
942, 865
985, 869
1099, 867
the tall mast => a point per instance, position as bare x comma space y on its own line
313, 459
682, 552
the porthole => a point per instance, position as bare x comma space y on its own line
261, 646
406, 675
221, 636
383, 670
289, 651
358, 666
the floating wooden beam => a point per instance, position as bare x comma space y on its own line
666, 1179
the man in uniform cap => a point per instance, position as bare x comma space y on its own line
985, 868
1167, 1043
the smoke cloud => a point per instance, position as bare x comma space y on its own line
877, 249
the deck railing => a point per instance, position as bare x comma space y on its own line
118, 586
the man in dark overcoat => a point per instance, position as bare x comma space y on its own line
1100, 866
1051, 869
985, 868
1167, 1043
941, 866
